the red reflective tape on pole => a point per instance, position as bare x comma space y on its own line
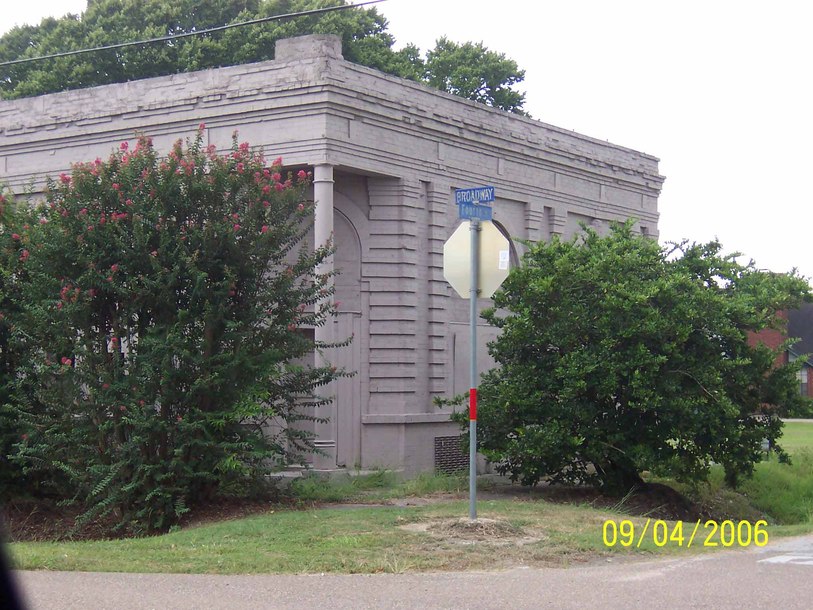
473, 404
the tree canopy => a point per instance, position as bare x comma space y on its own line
618, 356
469, 70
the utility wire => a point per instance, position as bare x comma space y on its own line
220, 28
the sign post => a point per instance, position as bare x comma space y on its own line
474, 228
475, 265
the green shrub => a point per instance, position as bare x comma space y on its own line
617, 355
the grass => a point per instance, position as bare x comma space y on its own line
783, 493
395, 539
797, 436
364, 539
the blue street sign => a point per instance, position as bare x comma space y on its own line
471, 211
479, 194
473, 203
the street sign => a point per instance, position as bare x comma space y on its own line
474, 211
478, 194
493, 255
471, 203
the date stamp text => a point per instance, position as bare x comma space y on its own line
708, 533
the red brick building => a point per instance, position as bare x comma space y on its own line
799, 326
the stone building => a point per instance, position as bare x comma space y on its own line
386, 154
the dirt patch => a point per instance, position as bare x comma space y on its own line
478, 531
653, 500
37, 521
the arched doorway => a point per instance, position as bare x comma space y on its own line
348, 296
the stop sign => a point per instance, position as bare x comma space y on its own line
493, 259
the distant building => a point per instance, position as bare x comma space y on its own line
799, 325
386, 154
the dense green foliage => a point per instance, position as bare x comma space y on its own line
468, 70
160, 302
472, 71
617, 356
11, 477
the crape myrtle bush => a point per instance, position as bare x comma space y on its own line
618, 355
161, 305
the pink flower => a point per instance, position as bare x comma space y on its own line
24, 437
235, 216
129, 202
179, 418
24, 255
66, 361
105, 386
154, 253
114, 267
92, 292
90, 227
122, 408
109, 278
64, 178
236, 227
59, 305
277, 162
276, 177
244, 146
278, 187
202, 126
43, 221
301, 174
83, 212
15, 236
232, 292
264, 229
124, 146
114, 340
116, 186
265, 203
300, 207
240, 168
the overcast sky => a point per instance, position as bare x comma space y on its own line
718, 90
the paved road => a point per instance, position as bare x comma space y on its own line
777, 576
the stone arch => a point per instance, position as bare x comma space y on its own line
513, 255
347, 262
349, 227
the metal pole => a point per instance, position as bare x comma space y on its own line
475, 273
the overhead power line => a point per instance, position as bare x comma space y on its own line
220, 28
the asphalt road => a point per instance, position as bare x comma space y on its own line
777, 576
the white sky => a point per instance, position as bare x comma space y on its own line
719, 90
